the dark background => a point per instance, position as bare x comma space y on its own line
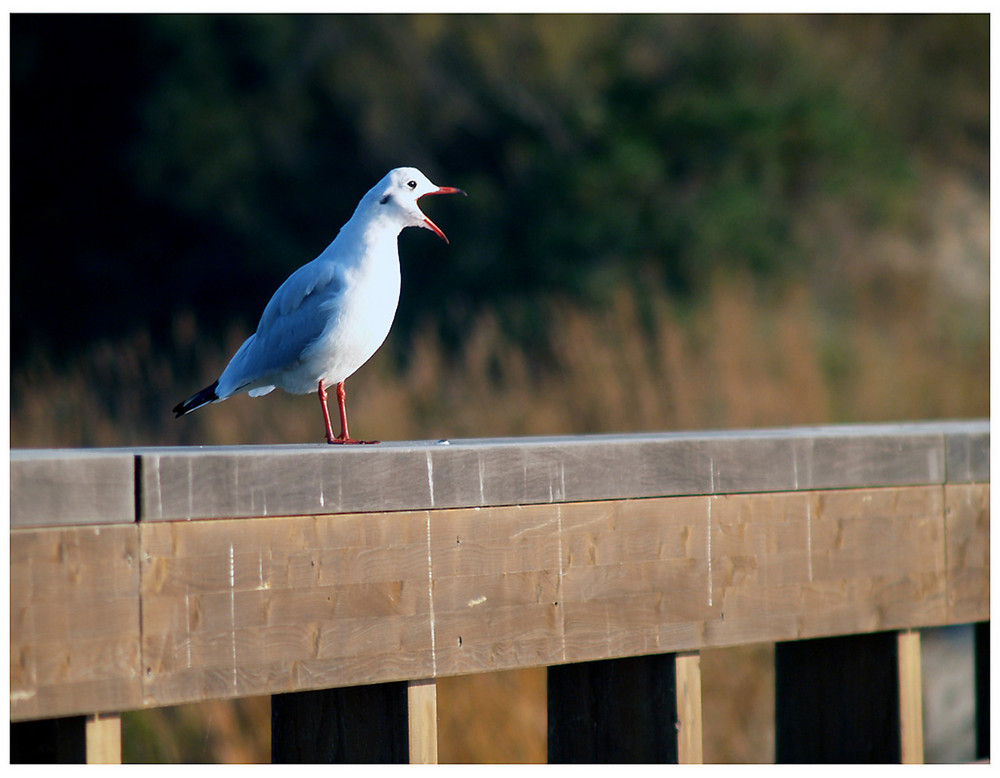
166, 162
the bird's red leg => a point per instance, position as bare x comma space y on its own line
341, 402
344, 436
326, 413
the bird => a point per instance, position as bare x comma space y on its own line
332, 314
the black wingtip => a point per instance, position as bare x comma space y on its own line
196, 400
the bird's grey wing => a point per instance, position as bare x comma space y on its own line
293, 319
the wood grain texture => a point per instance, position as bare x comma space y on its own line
967, 551
243, 607
911, 720
236, 608
968, 455
231, 482
74, 629
689, 726
50, 487
422, 713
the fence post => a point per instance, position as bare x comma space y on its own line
982, 690
355, 724
911, 720
837, 699
422, 705
104, 738
689, 728
613, 711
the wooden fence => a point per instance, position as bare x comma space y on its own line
344, 581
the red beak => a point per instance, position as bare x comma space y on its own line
431, 225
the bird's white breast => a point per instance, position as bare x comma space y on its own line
358, 320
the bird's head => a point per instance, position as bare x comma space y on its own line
397, 194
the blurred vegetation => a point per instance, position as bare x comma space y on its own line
674, 222
182, 153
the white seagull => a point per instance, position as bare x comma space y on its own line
331, 315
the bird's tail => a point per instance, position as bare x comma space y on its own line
196, 400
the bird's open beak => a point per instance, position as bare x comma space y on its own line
431, 225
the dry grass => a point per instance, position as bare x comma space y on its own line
741, 359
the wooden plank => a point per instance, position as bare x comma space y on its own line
423, 728
353, 725
236, 608
58, 487
228, 482
104, 739
836, 700
968, 454
61, 487
689, 726
613, 711
967, 550
982, 682
74, 620
911, 721
245, 607
852, 561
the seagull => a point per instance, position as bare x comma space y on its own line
331, 315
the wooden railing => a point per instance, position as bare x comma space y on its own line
345, 580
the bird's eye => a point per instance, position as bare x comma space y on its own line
411, 184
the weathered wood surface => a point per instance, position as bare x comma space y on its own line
235, 608
230, 482
72, 487
968, 454
967, 520
74, 620
249, 607
60, 487
151, 613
